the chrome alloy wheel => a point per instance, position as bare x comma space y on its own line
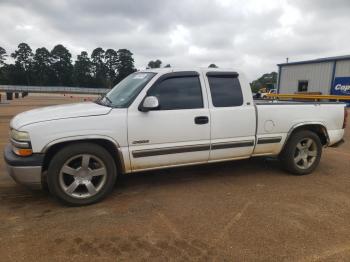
305, 153
83, 176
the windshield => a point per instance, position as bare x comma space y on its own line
124, 93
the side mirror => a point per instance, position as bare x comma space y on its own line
149, 103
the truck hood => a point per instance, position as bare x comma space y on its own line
58, 112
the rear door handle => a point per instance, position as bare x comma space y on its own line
201, 120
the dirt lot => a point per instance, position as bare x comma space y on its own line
240, 211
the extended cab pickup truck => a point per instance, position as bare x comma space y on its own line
164, 118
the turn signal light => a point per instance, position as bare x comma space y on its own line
22, 151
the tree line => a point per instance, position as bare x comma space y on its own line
102, 69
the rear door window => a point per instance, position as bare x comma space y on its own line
225, 90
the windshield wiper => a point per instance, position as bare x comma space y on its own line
102, 102
108, 99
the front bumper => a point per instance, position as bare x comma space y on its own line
24, 170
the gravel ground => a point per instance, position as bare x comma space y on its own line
239, 211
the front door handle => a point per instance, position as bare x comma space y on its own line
201, 120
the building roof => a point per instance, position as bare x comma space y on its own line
318, 60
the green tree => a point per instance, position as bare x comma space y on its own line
154, 64
3, 56
62, 65
212, 66
266, 81
167, 66
12, 74
42, 72
99, 67
23, 63
125, 64
82, 73
111, 63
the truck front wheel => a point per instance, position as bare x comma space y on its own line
302, 153
81, 174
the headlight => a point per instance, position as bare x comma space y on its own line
19, 135
20, 141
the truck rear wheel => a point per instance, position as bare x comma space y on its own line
302, 153
81, 174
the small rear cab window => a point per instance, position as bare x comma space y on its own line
225, 90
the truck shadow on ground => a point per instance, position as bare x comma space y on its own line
197, 173
14, 195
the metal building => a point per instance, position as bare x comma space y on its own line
329, 75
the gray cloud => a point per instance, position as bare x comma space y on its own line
252, 36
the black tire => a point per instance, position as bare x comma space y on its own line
75, 150
291, 152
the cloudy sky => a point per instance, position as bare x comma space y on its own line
248, 35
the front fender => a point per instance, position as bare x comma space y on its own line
78, 138
121, 154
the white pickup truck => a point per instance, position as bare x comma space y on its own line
164, 118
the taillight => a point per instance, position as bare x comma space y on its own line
345, 117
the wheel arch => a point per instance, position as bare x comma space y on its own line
110, 145
318, 128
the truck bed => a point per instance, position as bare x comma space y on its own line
278, 118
